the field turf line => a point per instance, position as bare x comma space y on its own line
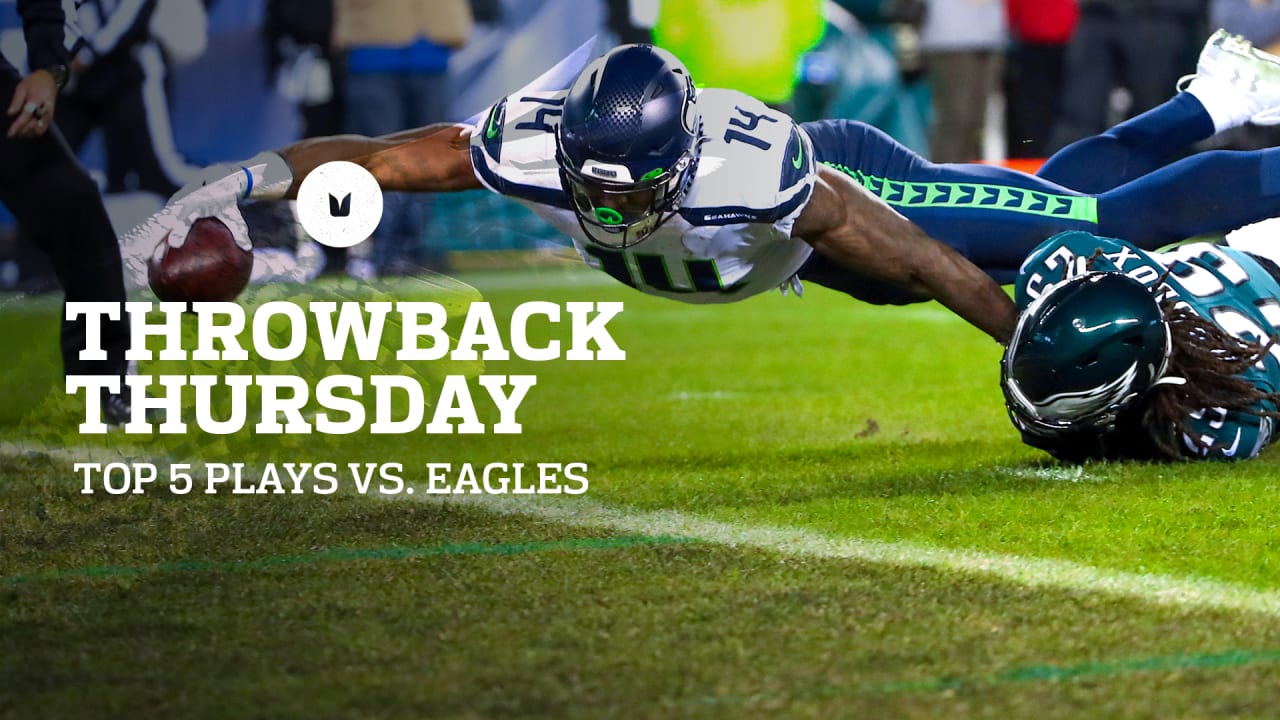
662, 528
1166, 590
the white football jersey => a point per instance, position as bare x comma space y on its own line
732, 235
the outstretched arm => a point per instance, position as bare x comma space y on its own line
435, 158
848, 224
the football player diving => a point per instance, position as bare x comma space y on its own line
1124, 354
711, 196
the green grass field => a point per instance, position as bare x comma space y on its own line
797, 508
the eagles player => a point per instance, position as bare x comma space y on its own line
1122, 353
710, 196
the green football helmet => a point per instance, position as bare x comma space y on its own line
1082, 353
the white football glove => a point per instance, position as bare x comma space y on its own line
215, 193
216, 199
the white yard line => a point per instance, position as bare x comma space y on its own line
1168, 590
1188, 592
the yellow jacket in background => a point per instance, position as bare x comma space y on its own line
753, 46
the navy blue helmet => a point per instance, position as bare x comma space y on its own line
1084, 352
627, 144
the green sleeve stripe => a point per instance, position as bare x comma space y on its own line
978, 196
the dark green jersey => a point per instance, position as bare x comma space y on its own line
1219, 283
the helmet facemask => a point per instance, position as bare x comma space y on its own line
621, 215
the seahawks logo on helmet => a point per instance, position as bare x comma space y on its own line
690, 118
1083, 352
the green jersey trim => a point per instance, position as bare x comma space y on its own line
978, 196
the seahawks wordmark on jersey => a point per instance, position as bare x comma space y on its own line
1219, 283
732, 235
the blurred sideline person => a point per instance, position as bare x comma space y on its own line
1039, 31
1145, 356
55, 201
118, 84
304, 68
1256, 20
397, 59
963, 43
1141, 45
710, 196
301, 62
869, 67
628, 20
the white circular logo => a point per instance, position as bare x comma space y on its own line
339, 204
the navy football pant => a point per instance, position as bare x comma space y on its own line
57, 204
1116, 184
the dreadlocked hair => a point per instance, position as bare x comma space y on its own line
1211, 360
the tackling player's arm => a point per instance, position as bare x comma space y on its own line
848, 224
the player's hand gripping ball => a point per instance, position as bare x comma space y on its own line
208, 267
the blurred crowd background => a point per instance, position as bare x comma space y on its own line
161, 88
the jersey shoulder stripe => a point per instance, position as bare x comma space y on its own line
491, 133
513, 148
798, 162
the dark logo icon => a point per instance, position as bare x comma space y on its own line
340, 208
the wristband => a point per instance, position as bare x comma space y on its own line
266, 177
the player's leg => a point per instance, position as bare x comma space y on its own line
1212, 192
74, 119
136, 158
375, 106
1155, 51
428, 104
1234, 83
57, 204
992, 215
1132, 148
142, 153
1089, 74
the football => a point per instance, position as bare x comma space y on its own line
209, 267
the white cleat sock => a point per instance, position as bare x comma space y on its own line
1221, 101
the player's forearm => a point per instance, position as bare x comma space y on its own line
306, 155
899, 252
849, 225
939, 271
970, 293
435, 158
